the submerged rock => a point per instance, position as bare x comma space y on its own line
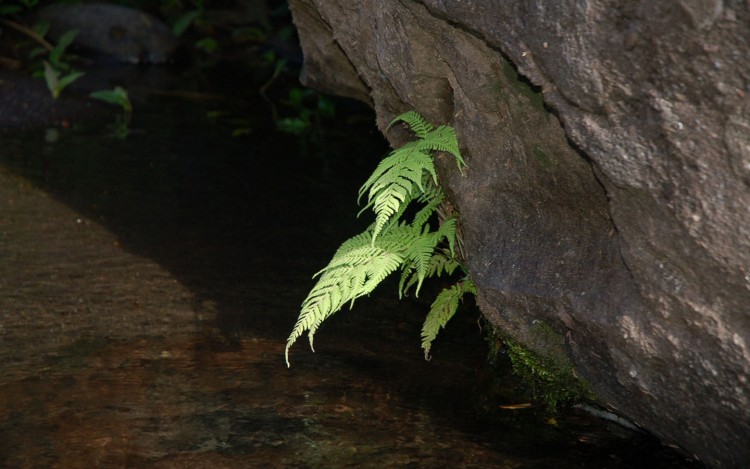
112, 31
622, 219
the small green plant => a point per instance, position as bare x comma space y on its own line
395, 241
56, 70
58, 73
310, 106
119, 97
56, 80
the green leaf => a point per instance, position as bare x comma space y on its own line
441, 262
432, 197
51, 77
117, 96
419, 253
294, 125
68, 79
355, 270
36, 52
66, 39
395, 183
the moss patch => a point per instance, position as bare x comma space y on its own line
549, 376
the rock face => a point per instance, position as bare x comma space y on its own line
607, 196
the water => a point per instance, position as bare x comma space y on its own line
149, 284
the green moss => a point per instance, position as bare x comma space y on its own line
549, 375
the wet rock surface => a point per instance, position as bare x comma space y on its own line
606, 195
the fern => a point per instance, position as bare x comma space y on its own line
394, 184
407, 175
442, 309
395, 181
442, 262
416, 123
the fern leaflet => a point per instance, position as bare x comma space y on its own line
394, 183
416, 123
442, 139
441, 262
442, 310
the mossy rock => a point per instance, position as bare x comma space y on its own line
549, 375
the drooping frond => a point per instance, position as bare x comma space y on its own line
447, 231
432, 197
354, 271
442, 310
441, 262
418, 255
444, 262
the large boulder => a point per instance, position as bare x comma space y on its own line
607, 195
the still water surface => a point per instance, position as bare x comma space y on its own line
149, 285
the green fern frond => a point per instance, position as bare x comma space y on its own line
442, 139
442, 262
398, 164
418, 256
432, 197
355, 270
396, 182
361, 263
442, 310
360, 240
416, 123
447, 231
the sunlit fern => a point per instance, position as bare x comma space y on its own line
404, 174
392, 242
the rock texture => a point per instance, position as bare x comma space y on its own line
608, 191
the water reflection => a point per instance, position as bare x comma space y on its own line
149, 285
